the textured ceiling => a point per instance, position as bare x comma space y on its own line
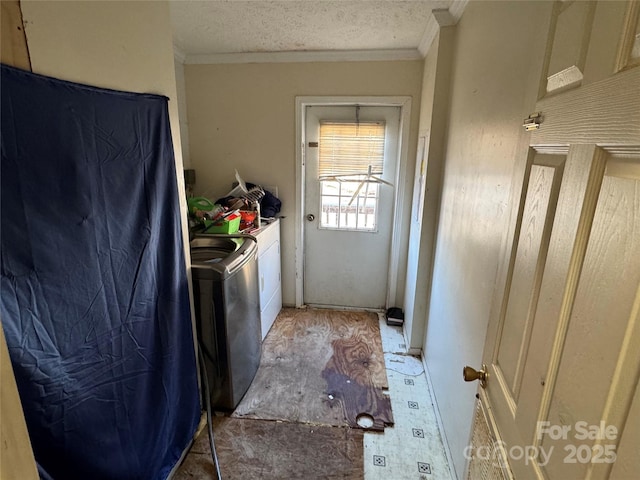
203, 27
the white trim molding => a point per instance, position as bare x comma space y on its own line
440, 18
443, 432
457, 9
404, 102
179, 54
306, 56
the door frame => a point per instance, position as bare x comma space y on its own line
400, 193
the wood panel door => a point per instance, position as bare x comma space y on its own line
562, 345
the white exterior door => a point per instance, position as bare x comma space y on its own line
348, 218
562, 345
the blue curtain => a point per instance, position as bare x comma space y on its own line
94, 304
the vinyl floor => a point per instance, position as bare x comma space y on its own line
412, 448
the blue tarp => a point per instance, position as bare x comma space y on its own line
95, 305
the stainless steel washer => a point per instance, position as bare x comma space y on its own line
226, 297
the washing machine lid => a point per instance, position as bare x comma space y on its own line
223, 243
221, 253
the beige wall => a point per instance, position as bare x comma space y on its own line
120, 45
242, 116
491, 94
432, 127
181, 93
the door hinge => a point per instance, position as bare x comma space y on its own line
532, 122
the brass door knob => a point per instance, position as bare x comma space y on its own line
471, 374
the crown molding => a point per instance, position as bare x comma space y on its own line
457, 9
430, 32
443, 17
440, 18
306, 56
179, 54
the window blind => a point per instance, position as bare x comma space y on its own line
350, 148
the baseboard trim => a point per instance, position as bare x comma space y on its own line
443, 435
414, 352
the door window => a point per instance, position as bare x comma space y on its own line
351, 155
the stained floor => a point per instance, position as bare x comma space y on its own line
275, 450
322, 367
410, 449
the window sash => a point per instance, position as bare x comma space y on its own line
350, 148
339, 212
